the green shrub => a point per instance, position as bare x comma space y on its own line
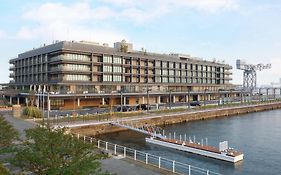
3, 170
32, 112
7, 133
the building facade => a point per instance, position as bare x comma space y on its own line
97, 74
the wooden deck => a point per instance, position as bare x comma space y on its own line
229, 152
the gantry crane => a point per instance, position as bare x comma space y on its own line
250, 73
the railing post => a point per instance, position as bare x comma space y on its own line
98, 143
124, 151
106, 144
189, 170
135, 155
159, 162
146, 158
115, 149
173, 166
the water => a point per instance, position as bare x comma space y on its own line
257, 135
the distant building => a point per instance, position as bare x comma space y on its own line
95, 75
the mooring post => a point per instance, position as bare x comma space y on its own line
98, 143
193, 139
170, 135
106, 145
189, 170
206, 141
135, 155
124, 151
173, 166
159, 162
163, 132
146, 158
174, 135
115, 146
184, 137
180, 137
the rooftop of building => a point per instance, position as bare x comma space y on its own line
94, 47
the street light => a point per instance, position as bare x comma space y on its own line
147, 106
121, 101
188, 96
205, 96
170, 98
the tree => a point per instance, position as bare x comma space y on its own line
8, 134
51, 152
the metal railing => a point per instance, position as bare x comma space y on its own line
146, 158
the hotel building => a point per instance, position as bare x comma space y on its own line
86, 74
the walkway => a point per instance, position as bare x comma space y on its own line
149, 116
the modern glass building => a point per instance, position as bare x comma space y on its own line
97, 74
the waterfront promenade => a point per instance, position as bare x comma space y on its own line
100, 127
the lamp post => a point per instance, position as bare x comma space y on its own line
147, 106
267, 93
170, 99
188, 96
205, 96
121, 101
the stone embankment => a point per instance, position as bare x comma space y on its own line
168, 119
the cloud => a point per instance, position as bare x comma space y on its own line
2, 34
74, 22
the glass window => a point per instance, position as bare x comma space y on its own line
117, 78
117, 60
107, 78
117, 69
107, 59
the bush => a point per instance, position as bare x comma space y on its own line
7, 133
3, 170
32, 112
50, 151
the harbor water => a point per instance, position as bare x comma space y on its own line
257, 135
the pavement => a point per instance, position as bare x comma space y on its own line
19, 124
113, 165
127, 166
75, 124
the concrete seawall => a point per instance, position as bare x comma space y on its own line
179, 118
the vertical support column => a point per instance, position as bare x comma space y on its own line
78, 102
102, 101
18, 100
124, 101
26, 101
174, 99
143, 100
159, 100
11, 100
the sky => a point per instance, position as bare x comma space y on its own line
222, 29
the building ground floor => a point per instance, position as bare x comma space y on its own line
76, 101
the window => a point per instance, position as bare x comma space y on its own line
107, 59
171, 65
74, 77
107, 68
164, 72
164, 80
117, 69
171, 72
171, 79
164, 64
117, 78
107, 78
117, 60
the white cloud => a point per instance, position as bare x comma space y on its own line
74, 22
2, 34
